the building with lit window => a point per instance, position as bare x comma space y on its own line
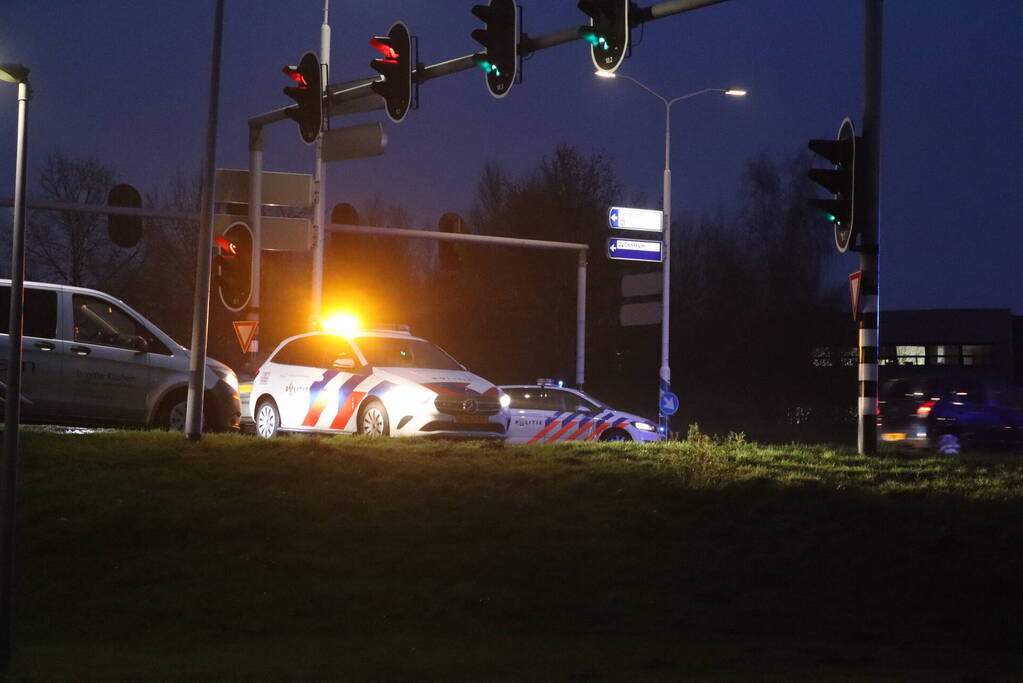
987, 341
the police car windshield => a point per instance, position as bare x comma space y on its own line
389, 352
597, 402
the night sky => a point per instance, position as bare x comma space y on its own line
126, 82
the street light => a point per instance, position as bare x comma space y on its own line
13, 73
664, 385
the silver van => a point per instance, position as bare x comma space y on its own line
88, 358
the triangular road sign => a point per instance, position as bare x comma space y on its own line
854, 291
245, 330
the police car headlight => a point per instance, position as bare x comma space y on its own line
644, 426
505, 400
227, 376
408, 397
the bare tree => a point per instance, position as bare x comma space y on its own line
70, 247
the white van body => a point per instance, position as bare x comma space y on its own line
89, 358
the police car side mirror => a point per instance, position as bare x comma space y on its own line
343, 364
582, 409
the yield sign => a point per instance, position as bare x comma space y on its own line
854, 291
245, 330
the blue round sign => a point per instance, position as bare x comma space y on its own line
669, 403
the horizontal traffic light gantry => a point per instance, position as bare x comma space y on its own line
308, 93
608, 31
839, 181
234, 266
500, 37
396, 69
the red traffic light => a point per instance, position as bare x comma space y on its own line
396, 69
308, 95
294, 74
383, 45
228, 249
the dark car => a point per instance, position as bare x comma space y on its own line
950, 413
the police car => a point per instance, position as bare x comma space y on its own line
382, 382
546, 412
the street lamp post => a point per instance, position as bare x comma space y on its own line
664, 385
13, 73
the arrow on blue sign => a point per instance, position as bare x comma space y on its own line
613, 217
634, 250
669, 403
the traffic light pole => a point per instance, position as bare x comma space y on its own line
319, 185
255, 225
870, 227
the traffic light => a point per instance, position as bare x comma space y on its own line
608, 32
234, 266
839, 181
308, 93
396, 68
500, 37
344, 214
125, 231
450, 252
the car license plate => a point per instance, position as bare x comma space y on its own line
893, 436
473, 419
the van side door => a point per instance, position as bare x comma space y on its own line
105, 369
42, 388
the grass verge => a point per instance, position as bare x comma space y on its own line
144, 556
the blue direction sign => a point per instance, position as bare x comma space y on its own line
635, 250
626, 218
669, 403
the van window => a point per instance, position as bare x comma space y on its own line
101, 322
39, 316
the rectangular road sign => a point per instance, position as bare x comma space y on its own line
642, 284
624, 218
634, 250
648, 313
279, 233
354, 142
279, 189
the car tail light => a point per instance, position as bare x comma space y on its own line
925, 408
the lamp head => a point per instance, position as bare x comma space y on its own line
604, 74
13, 73
736, 92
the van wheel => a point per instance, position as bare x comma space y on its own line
373, 419
268, 418
173, 413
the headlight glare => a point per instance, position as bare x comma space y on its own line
505, 400
644, 426
226, 375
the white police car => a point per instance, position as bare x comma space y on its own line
545, 412
376, 382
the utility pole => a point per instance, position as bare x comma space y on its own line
13, 73
201, 303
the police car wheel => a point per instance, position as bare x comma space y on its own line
268, 421
949, 444
616, 435
373, 420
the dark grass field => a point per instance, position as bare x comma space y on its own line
145, 557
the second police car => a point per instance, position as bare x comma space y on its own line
375, 382
545, 413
